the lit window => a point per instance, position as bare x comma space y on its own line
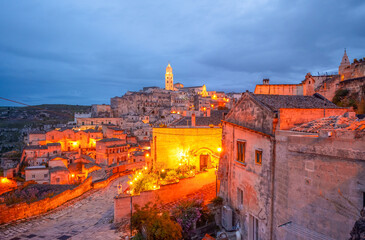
258, 157
241, 148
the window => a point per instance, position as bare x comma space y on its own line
239, 197
45, 175
83, 123
363, 200
258, 157
241, 148
253, 231
33, 176
57, 180
92, 123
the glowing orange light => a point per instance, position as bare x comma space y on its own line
4, 180
204, 108
214, 96
179, 164
154, 186
147, 154
145, 168
211, 105
163, 170
72, 175
178, 112
130, 183
219, 149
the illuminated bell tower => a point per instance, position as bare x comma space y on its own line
169, 78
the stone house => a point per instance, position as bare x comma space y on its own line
40, 174
246, 168
35, 137
38, 154
111, 151
59, 175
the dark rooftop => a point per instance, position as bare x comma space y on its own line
275, 102
110, 140
31, 147
54, 144
37, 132
214, 119
58, 169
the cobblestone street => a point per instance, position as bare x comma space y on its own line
87, 217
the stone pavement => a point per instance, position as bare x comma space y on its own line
87, 217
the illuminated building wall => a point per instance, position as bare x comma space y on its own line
198, 146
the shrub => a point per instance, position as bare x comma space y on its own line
339, 95
143, 182
188, 213
151, 223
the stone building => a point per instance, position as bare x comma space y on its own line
193, 141
111, 151
350, 75
319, 183
40, 174
247, 163
100, 111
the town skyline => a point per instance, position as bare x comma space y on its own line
86, 53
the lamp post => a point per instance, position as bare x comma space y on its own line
131, 211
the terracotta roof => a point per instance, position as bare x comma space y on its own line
343, 122
275, 102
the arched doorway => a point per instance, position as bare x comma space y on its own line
205, 161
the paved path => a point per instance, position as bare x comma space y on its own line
88, 217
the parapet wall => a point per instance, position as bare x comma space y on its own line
24, 210
165, 194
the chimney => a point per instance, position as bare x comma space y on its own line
266, 81
193, 120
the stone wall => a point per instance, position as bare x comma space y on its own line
173, 146
253, 179
291, 117
319, 185
251, 114
24, 210
279, 89
166, 194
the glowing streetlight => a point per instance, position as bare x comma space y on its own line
163, 170
219, 149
